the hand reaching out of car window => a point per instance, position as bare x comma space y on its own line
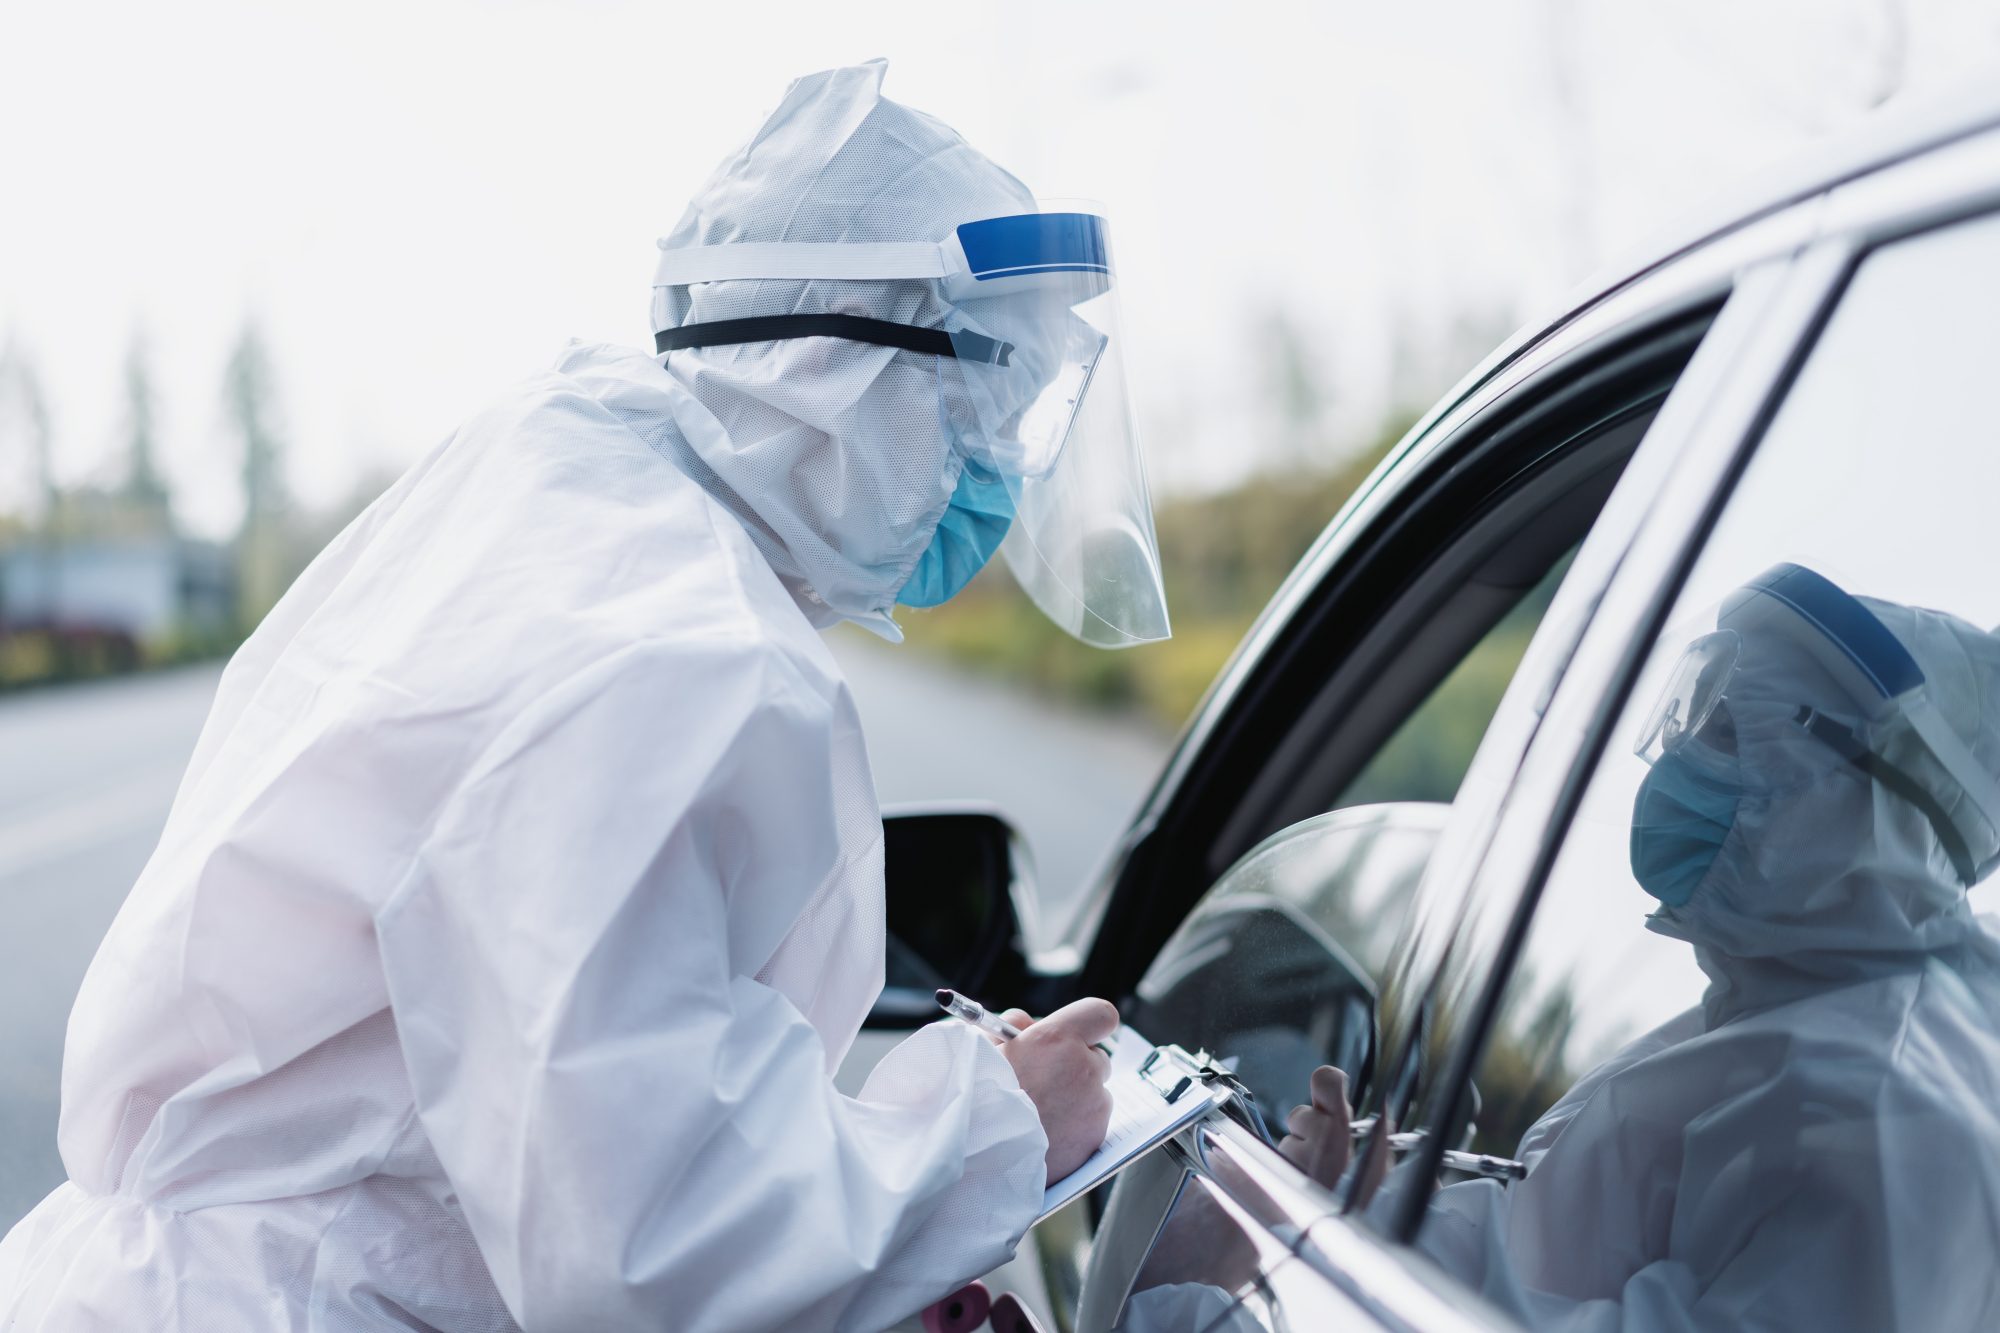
1319, 1138
1063, 1074
1199, 1244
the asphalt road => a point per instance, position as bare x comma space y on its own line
87, 774
1069, 779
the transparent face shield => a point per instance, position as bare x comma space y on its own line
1032, 390
1052, 417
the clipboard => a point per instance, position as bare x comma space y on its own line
1156, 1091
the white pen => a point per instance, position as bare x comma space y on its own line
973, 1012
977, 1014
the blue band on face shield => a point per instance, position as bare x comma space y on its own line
975, 522
1026, 243
1846, 623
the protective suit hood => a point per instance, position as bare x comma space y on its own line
834, 455
1826, 874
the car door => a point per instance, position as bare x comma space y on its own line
1479, 519
1752, 1077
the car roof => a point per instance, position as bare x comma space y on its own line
1901, 129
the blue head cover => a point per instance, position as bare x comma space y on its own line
974, 524
1843, 628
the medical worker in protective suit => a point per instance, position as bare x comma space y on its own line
1817, 1144
524, 890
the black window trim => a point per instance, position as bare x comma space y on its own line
1485, 455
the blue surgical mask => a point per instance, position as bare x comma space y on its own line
1683, 813
975, 521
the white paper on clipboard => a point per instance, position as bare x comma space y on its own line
1141, 1114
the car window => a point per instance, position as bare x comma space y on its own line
1279, 967
1288, 957
1276, 970
1750, 1055
1428, 755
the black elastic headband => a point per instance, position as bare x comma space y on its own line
1844, 742
854, 328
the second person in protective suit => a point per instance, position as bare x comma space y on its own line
524, 890
1817, 1144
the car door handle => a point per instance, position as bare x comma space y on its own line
1470, 1163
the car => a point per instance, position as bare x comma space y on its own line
1316, 878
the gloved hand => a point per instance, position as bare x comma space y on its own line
1064, 1076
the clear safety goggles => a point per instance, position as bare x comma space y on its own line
1688, 706
1032, 389
1891, 733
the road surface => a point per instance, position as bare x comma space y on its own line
87, 773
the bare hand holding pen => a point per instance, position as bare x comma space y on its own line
1062, 1067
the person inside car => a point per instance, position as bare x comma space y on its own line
1817, 1143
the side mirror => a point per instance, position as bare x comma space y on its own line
958, 881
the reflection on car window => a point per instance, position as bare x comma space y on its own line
1751, 1056
1276, 969
1206, 1270
1427, 757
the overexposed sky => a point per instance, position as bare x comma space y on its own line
420, 201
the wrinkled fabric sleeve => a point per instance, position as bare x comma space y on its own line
1843, 1220
638, 1136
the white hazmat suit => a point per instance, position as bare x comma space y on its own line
1817, 1144
524, 889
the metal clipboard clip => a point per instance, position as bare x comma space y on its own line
1171, 1071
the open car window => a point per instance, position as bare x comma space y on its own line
1278, 967
1427, 756
1282, 964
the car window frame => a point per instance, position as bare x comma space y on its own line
1434, 454
1552, 725
1688, 290
1784, 271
